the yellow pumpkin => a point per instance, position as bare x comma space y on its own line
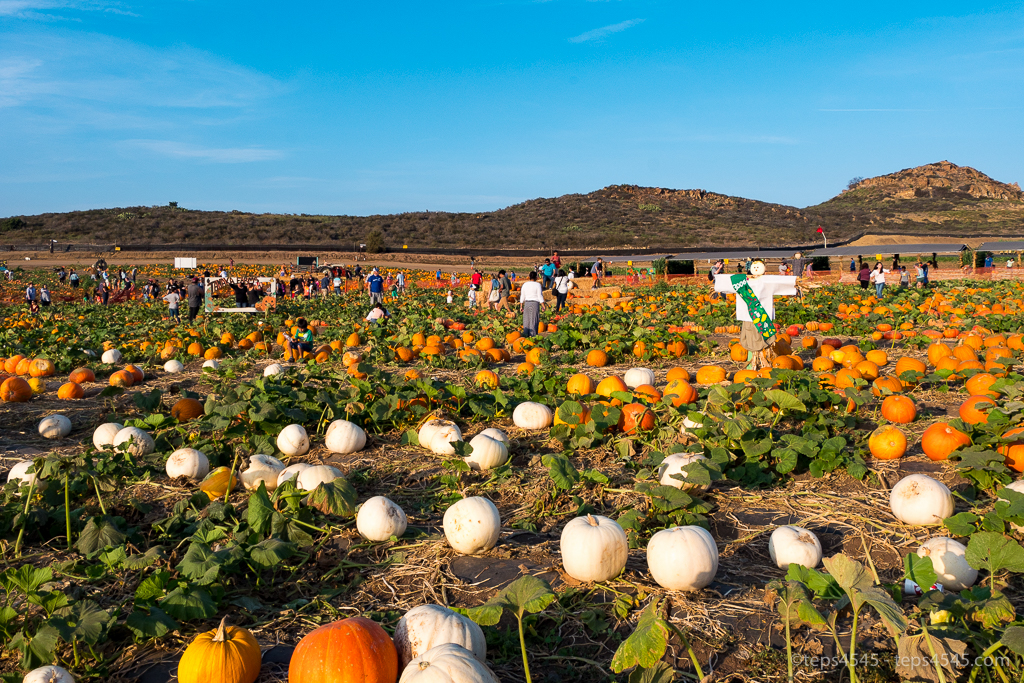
227, 654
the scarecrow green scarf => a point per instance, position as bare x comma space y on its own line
764, 325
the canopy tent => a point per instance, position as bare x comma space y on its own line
1002, 246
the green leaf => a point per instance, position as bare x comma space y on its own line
994, 552
27, 578
785, 400
147, 559
849, 574
569, 412
336, 498
561, 470
262, 411
156, 624
99, 535
36, 650
920, 570
271, 552
525, 594
83, 621
260, 511
1013, 639
795, 606
187, 603
659, 673
409, 438
786, 460
646, 645
961, 524
152, 587
823, 585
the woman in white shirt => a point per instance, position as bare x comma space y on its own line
531, 301
561, 288
878, 278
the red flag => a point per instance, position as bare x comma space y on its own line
820, 230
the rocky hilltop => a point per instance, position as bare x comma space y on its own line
941, 180
940, 199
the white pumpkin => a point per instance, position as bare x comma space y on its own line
262, 469
1017, 486
687, 427
105, 433
88, 352
487, 453
437, 436
674, 464
188, 462
636, 377
950, 563
291, 472
532, 416
174, 366
311, 477
594, 548
919, 500
448, 663
293, 440
139, 442
20, 472
212, 363
472, 525
345, 437
496, 433
683, 558
48, 674
429, 626
54, 427
379, 519
794, 545
111, 356
273, 369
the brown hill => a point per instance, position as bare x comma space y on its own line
936, 199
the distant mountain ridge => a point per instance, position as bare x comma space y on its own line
939, 198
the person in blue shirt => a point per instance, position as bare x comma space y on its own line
988, 261
376, 285
548, 271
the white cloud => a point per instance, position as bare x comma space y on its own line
598, 33
34, 9
181, 150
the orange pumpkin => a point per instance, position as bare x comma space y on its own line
887, 442
608, 386
525, 368
82, 375
680, 392
353, 650
186, 409
710, 374
487, 379
899, 409
122, 378
975, 409
883, 384
979, 385
41, 367
597, 358
940, 440
137, 374
636, 416
15, 390
70, 391
677, 373
1014, 451
580, 385
937, 352
645, 393
738, 353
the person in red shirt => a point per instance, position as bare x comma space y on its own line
557, 260
477, 280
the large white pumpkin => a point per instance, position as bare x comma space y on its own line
448, 663
212, 363
674, 464
48, 674
20, 472
496, 433
429, 626
54, 427
262, 469
188, 462
311, 477
105, 433
794, 545
687, 427
344, 437
291, 472
472, 525
487, 453
273, 369
683, 558
139, 442
919, 500
174, 366
437, 436
637, 377
532, 416
293, 440
111, 356
379, 519
594, 548
950, 563
1017, 486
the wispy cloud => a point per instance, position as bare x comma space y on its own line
876, 110
598, 33
229, 155
44, 9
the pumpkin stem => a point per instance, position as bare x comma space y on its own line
221, 634
424, 666
591, 521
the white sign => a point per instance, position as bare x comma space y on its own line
184, 263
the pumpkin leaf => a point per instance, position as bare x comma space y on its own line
271, 552
336, 498
920, 570
525, 594
646, 645
1013, 639
561, 470
849, 574
155, 624
188, 603
994, 552
36, 650
794, 605
785, 400
83, 621
915, 661
99, 535
659, 673
261, 510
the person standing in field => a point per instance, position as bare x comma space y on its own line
504, 289
30, 293
375, 284
531, 301
561, 289
44, 296
556, 259
864, 277
400, 281
548, 270
195, 298
73, 279
476, 282
172, 298
597, 272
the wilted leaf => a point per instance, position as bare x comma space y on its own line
646, 645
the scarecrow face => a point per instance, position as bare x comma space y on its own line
757, 268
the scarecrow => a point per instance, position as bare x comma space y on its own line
755, 308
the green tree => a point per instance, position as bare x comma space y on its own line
374, 241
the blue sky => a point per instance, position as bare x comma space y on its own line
383, 107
